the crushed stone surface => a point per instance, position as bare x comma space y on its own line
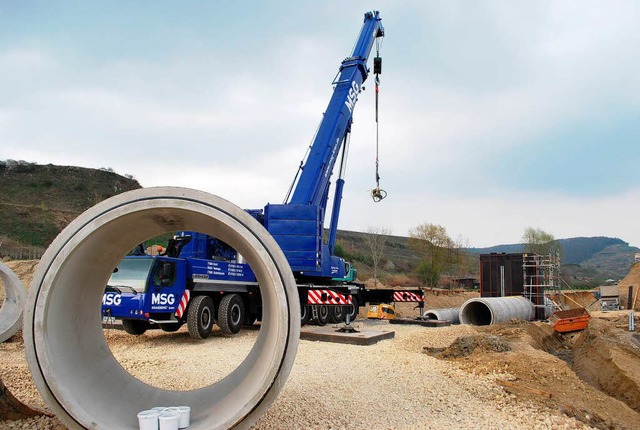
391, 384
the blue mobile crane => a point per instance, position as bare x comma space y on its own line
200, 280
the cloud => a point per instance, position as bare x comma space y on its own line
468, 91
491, 220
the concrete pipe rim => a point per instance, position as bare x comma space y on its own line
79, 377
12, 306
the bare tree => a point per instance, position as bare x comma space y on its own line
375, 239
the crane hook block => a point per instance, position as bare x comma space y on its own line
378, 194
377, 65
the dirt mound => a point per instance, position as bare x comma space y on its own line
467, 345
633, 278
609, 359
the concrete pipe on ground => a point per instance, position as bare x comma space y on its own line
14, 298
71, 363
445, 314
492, 310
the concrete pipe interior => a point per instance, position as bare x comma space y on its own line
72, 365
14, 297
476, 313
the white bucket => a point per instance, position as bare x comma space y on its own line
159, 408
185, 416
148, 420
169, 420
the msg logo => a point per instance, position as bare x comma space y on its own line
163, 299
111, 299
352, 96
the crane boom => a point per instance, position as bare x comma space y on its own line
313, 184
298, 224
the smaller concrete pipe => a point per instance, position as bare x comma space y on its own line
14, 297
446, 314
493, 310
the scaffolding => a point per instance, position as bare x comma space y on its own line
542, 282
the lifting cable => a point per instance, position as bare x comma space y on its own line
377, 193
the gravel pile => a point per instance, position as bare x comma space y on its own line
392, 384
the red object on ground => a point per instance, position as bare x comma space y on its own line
571, 320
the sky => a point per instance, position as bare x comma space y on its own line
495, 116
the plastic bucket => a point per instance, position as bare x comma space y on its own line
148, 420
185, 416
169, 420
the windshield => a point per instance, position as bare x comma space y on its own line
133, 273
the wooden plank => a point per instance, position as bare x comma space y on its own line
424, 323
362, 337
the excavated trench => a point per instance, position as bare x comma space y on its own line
605, 356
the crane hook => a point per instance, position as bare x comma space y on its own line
378, 194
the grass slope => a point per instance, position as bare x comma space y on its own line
37, 202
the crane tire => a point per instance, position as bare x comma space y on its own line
135, 327
200, 317
231, 314
304, 314
323, 315
250, 319
337, 314
170, 328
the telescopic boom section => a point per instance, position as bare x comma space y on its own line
312, 187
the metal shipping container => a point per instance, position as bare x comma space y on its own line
501, 275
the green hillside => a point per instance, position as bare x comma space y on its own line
38, 201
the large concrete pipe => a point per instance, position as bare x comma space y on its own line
72, 365
492, 310
14, 297
444, 314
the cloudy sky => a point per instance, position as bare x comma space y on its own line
494, 115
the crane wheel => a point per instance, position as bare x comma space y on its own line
200, 317
170, 328
323, 315
135, 327
352, 310
82, 383
231, 314
305, 312
337, 314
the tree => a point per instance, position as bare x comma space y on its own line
538, 241
375, 239
439, 252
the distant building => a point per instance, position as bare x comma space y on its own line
467, 283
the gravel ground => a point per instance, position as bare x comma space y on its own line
391, 384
